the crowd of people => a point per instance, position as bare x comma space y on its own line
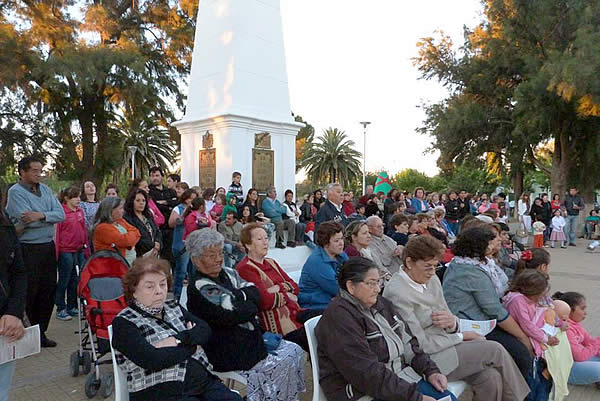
391, 275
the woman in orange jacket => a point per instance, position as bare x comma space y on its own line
112, 232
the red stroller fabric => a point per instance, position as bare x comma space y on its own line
100, 285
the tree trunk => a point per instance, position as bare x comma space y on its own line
561, 162
517, 184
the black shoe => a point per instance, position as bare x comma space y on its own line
291, 244
572, 245
45, 342
279, 245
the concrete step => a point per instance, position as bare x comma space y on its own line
290, 259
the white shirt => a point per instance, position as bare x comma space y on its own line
417, 286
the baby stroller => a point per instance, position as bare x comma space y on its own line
100, 299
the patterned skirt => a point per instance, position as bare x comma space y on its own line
278, 377
557, 236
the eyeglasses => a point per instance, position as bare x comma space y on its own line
374, 283
213, 255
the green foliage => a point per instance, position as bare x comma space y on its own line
332, 158
83, 73
408, 179
524, 76
303, 140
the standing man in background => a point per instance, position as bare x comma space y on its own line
166, 200
573, 204
35, 210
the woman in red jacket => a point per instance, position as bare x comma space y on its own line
279, 309
71, 242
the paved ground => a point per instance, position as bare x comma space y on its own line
46, 376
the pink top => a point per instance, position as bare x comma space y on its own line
191, 221
216, 212
157, 216
484, 208
583, 346
71, 233
526, 314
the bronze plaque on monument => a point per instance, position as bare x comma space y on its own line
208, 168
263, 163
262, 140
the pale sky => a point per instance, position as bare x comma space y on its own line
350, 61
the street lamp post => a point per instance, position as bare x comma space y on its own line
364, 124
132, 149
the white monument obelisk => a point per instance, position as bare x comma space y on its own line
238, 88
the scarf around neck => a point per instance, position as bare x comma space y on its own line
148, 309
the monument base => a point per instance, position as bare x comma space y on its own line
264, 152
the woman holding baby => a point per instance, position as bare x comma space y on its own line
417, 294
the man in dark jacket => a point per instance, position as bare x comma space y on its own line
547, 216
13, 291
332, 209
573, 204
452, 208
166, 200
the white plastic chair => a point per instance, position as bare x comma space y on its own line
121, 392
295, 275
309, 326
456, 388
183, 297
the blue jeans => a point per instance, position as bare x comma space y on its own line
453, 227
181, 265
67, 279
572, 228
426, 388
232, 252
587, 372
7, 371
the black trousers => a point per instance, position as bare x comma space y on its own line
41, 266
298, 336
519, 352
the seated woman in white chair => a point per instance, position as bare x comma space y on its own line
230, 305
366, 351
417, 294
158, 344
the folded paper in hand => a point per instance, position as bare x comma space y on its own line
481, 327
26, 346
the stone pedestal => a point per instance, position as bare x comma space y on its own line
238, 89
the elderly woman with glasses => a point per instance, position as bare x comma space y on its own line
158, 344
417, 294
230, 306
367, 350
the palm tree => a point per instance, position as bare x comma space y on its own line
332, 158
154, 144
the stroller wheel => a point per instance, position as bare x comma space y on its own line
91, 385
86, 362
74, 364
106, 387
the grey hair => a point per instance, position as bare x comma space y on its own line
371, 220
332, 185
104, 213
270, 189
198, 241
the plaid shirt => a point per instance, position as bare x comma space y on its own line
154, 330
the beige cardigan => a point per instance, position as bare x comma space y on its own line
415, 308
